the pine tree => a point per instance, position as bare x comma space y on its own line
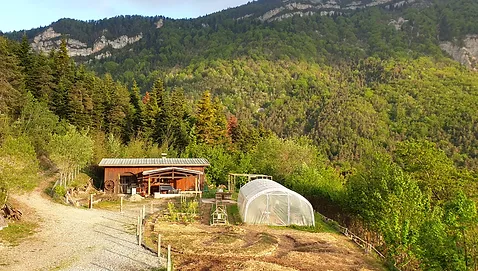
80, 104
151, 109
163, 127
11, 80
210, 120
41, 79
180, 120
63, 73
116, 105
137, 110
205, 119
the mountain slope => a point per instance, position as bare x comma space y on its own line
300, 29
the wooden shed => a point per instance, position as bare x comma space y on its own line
147, 176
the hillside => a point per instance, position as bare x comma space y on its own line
352, 104
271, 29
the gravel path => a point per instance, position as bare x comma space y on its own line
78, 239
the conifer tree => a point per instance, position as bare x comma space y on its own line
116, 106
11, 80
163, 127
63, 78
26, 62
151, 109
179, 120
137, 118
205, 119
210, 120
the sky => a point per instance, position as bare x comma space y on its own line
28, 14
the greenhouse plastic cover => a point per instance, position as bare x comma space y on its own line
266, 202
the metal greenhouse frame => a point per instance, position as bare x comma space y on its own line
264, 201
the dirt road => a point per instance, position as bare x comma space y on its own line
77, 239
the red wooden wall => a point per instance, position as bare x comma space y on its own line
113, 173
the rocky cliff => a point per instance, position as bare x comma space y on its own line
49, 40
466, 53
325, 7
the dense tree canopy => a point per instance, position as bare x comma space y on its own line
370, 121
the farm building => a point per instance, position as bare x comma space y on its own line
266, 202
147, 176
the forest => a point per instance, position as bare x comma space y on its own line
384, 140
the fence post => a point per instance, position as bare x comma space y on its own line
121, 204
140, 227
91, 201
159, 246
169, 258
137, 226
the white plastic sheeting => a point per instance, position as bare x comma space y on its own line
266, 202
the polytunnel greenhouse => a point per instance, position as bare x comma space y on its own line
267, 202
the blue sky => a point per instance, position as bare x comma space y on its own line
27, 14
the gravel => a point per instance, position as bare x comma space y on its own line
78, 239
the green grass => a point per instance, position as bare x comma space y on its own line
233, 215
17, 231
320, 226
108, 205
210, 194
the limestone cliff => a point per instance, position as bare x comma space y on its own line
49, 40
466, 54
325, 7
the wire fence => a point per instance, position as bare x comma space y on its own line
368, 247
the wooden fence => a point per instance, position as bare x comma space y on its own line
66, 178
140, 230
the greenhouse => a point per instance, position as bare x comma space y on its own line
267, 202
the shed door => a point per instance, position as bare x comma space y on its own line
126, 183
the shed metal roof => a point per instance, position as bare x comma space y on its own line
136, 162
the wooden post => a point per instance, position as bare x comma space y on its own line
91, 201
137, 225
140, 229
169, 258
149, 186
159, 246
196, 184
140, 237
229, 182
121, 204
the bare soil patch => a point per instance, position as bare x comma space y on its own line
198, 246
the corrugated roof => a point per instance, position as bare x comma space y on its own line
131, 162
